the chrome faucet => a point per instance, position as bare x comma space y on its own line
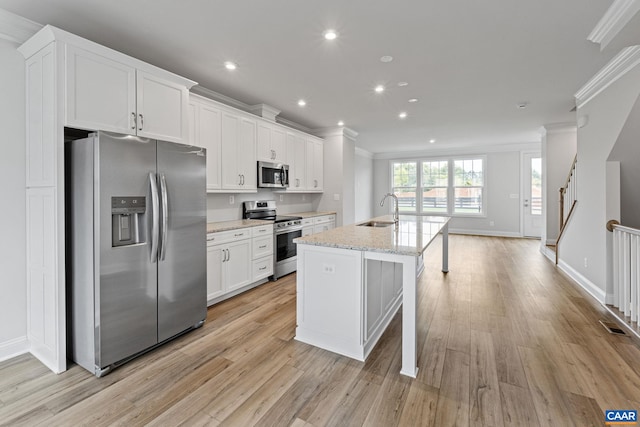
396, 216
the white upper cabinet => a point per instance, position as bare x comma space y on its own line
296, 149
238, 160
271, 143
314, 165
205, 130
103, 93
161, 108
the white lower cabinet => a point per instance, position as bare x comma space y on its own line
323, 223
237, 259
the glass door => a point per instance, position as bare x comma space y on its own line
532, 197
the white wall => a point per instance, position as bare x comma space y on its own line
559, 149
338, 179
503, 176
363, 186
627, 152
583, 249
13, 305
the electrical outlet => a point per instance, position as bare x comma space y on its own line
282, 197
336, 196
328, 268
232, 200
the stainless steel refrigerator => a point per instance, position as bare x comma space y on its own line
135, 246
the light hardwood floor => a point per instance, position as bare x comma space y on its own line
504, 339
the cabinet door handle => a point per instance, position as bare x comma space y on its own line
297, 182
262, 247
239, 179
135, 123
228, 255
242, 182
315, 183
141, 121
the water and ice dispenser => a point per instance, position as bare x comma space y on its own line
127, 216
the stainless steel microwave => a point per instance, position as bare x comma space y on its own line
273, 175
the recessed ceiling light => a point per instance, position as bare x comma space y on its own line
302, 102
403, 115
403, 84
386, 58
330, 35
412, 100
340, 123
379, 89
431, 141
230, 65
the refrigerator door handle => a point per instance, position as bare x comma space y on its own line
155, 227
165, 216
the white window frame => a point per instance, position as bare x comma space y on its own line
450, 188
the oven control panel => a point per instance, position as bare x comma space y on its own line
284, 224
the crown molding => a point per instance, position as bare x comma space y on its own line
364, 153
15, 28
224, 99
552, 128
614, 20
336, 131
265, 111
294, 125
622, 63
461, 150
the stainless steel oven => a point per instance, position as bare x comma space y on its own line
285, 229
286, 255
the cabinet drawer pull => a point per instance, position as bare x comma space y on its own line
263, 268
262, 247
238, 234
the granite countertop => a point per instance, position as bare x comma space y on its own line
214, 227
412, 237
310, 214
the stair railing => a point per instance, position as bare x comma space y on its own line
568, 199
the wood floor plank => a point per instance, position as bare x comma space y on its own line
420, 406
517, 406
453, 401
484, 399
547, 396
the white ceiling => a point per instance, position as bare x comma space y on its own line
468, 62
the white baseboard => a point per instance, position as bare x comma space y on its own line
585, 283
12, 348
551, 242
489, 233
548, 253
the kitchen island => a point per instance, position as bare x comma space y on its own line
352, 280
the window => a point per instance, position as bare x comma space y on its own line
405, 184
468, 184
435, 183
453, 186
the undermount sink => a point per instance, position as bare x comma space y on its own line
376, 224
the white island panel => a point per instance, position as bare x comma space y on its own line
329, 295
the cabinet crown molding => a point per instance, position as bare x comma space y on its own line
622, 63
15, 28
265, 111
49, 34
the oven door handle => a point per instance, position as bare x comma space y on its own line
288, 230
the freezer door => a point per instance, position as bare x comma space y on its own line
182, 255
126, 290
